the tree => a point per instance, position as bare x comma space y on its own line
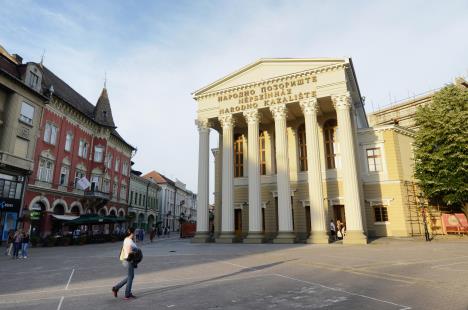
441, 147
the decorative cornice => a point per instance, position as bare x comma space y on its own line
305, 73
342, 102
227, 121
279, 111
309, 106
252, 116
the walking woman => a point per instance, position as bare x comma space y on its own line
128, 247
25, 245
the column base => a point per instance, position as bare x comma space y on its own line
226, 237
285, 237
201, 237
254, 238
355, 237
318, 237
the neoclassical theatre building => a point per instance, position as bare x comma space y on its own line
296, 152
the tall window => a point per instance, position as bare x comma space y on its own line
302, 148
331, 147
98, 153
83, 149
78, 175
125, 168
123, 192
68, 141
131, 196
95, 183
117, 164
238, 157
33, 79
106, 185
50, 133
381, 214
109, 160
262, 148
114, 189
374, 159
64, 172
27, 113
45, 171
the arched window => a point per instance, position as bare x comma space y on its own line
238, 156
302, 148
331, 145
262, 148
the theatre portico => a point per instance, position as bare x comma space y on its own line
314, 158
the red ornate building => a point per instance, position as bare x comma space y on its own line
76, 140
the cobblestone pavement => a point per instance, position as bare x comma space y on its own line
176, 274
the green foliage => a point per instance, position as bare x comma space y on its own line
441, 147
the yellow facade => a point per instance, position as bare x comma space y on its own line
382, 191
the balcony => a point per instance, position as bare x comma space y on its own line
95, 194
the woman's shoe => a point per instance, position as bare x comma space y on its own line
114, 291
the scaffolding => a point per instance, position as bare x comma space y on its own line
415, 217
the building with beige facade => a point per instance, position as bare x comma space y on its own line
296, 152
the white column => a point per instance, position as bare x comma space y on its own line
227, 220
354, 219
314, 173
203, 181
255, 209
285, 226
217, 209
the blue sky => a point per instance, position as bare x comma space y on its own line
156, 53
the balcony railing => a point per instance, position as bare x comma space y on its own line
96, 194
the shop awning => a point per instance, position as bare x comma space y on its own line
96, 219
65, 217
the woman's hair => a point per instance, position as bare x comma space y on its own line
130, 231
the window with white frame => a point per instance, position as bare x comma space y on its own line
123, 192
374, 159
27, 113
106, 185
45, 171
79, 174
115, 189
109, 160
381, 214
83, 149
50, 133
117, 164
98, 153
68, 141
33, 79
64, 173
125, 168
95, 183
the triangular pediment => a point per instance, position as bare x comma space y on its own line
265, 69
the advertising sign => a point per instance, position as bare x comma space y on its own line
9, 222
455, 223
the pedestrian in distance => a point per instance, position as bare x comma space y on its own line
332, 231
25, 245
10, 241
17, 243
152, 234
126, 253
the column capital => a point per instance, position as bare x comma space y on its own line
203, 124
342, 101
227, 121
309, 106
252, 116
279, 111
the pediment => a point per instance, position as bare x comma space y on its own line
265, 69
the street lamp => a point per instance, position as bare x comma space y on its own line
423, 213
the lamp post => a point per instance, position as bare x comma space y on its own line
423, 213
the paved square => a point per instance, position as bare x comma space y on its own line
176, 274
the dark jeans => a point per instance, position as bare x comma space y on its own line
128, 280
16, 248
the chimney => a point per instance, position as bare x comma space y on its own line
18, 58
